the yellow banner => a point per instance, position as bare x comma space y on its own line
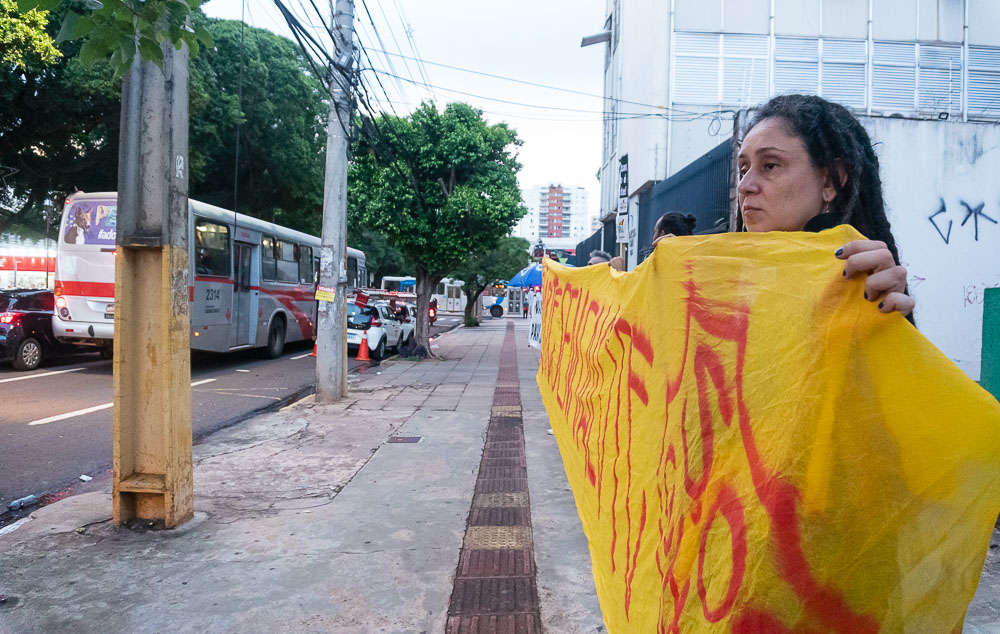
755, 448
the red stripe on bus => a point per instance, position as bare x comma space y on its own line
86, 289
287, 298
212, 279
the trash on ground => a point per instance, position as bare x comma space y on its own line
27, 500
86, 478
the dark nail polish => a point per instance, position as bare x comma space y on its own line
866, 294
844, 273
839, 252
880, 304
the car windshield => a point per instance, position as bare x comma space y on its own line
359, 316
7, 302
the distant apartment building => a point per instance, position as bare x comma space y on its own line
557, 215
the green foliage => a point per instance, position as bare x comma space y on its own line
121, 28
439, 185
59, 128
282, 134
381, 258
24, 40
501, 263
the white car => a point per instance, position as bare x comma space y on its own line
410, 322
379, 323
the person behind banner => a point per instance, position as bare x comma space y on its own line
807, 164
673, 224
603, 257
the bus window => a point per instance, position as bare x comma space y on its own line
211, 248
268, 265
315, 270
305, 265
288, 268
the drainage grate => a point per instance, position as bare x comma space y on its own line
404, 439
495, 588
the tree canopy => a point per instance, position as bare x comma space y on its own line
60, 124
481, 269
24, 39
439, 185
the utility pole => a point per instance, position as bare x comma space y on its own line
153, 475
331, 337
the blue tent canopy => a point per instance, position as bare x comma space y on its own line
530, 275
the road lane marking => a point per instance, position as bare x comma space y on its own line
90, 410
38, 376
302, 356
79, 412
243, 370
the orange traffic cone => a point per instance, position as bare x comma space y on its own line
314, 350
363, 350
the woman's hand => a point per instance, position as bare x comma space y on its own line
666, 235
886, 280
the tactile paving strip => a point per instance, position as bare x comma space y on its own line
493, 537
494, 589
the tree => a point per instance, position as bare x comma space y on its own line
282, 133
24, 39
482, 269
381, 258
60, 131
439, 185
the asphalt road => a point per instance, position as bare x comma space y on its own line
56, 422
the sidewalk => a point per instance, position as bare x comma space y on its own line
309, 519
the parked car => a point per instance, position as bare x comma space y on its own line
26, 337
409, 311
381, 325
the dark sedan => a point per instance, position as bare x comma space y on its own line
26, 328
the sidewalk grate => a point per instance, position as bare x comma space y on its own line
494, 589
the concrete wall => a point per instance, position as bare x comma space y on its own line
942, 185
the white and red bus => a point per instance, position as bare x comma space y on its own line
252, 283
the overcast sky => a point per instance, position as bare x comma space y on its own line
535, 41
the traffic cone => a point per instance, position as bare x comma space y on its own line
363, 350
314, 350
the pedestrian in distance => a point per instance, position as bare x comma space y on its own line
807, 164
603, 257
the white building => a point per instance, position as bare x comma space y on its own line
557, 215
675, 70
924, 76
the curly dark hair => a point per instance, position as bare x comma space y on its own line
836, 140
676, 223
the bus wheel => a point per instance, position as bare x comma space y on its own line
496, 311
107, 353
275, 340
29, 355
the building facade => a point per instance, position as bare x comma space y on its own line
557, 216
677, 70
26, 263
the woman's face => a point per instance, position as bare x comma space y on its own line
780, 189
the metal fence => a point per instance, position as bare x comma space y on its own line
701, 189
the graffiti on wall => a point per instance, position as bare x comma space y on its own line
973, 212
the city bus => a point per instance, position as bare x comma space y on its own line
251, 284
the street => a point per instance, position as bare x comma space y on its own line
56, 422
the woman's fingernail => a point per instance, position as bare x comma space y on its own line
844, 273
839, 252
880, 305
866, 294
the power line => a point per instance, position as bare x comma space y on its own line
408, 30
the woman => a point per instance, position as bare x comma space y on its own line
807, 164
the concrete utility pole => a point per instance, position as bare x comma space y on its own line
331, 337
153, 477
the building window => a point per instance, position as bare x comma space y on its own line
984, 82
714, 68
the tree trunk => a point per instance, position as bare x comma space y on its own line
471, 302
425, 288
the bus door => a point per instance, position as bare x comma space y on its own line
454, 299
239, 333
